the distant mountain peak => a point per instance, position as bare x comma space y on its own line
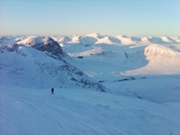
95, 35
44, 44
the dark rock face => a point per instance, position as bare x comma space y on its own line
12, 47
50, 46
80, 79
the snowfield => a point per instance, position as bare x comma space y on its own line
104, 85
76, 111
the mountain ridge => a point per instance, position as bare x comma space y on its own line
41, 64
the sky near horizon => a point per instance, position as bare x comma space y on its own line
69, 17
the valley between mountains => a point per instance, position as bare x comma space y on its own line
104, 85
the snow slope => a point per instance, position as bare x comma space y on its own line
147, 55
123, 67
103, 85
40, 63
162, 60
76, 111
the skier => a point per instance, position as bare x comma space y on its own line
52, 90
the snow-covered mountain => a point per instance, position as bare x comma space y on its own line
140, 75
39, 62
96, 38
161, 60
61, 61
142, 55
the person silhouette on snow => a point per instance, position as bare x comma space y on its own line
52, 90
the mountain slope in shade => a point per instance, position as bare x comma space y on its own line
40, 64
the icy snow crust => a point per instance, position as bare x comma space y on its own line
117, 85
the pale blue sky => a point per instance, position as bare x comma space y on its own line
111, 17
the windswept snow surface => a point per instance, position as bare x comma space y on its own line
104, 85
76, 111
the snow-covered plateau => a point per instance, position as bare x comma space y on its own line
103, 85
